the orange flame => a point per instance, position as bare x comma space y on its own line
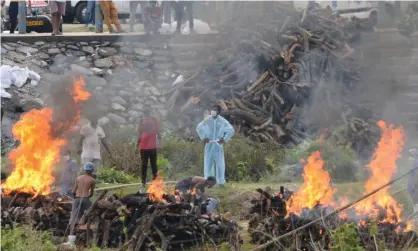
78, 93
156, 190
383, 167
316, 188
39, 149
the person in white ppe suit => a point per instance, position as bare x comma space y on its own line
215, 131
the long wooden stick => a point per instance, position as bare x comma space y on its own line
263, 246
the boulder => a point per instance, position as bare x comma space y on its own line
143, 52
107, 51
39, 43
103, 63
116, 118
96, 81
88, 49
80, 70
119, 99
27, 49
53, 51
103, 121
73, 47
118, 107
42, 56
39, 63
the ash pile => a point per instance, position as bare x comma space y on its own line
132, 222
272, 74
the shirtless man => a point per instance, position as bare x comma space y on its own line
83, 190
187, 185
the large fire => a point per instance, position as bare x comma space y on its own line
382, 168
156, 190
39, 149
316, 188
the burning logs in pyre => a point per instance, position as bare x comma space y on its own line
141, 221
377, 215
266, 70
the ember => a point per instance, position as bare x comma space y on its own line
156, 189
39, 150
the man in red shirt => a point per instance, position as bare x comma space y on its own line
148, 134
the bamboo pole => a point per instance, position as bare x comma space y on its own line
263, 246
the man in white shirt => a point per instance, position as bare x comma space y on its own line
89, 146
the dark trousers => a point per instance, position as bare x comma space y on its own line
179, 7
13, 12
151, 155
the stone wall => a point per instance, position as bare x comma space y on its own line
122, 76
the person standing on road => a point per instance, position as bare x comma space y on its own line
13, 12
83, 189
179, 9
90, 13
110, 13
57, 8
149, 138
89, 146
133, 6
215, 131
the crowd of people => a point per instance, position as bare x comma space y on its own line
214, 131
151, 13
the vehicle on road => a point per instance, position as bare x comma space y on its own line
37, 18
352, 8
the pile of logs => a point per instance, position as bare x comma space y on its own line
269, 219
133, 222
265, 71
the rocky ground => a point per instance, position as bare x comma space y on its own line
122, 76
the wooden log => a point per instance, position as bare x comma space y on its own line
148, 223
258, 81
92, 208
106, 232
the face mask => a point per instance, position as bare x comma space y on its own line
65, 158
213, 113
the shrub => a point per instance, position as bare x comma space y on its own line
339, 162
346, 238
24, 238
112, 175
245, 161
123, 146
184, 157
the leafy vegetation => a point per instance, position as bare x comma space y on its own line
340, 161
112, 175
345, 238
24, 238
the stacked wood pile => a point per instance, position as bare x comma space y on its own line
265, 72
267, 220
133, 222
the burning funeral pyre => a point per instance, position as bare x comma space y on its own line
142, 221
276, 215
